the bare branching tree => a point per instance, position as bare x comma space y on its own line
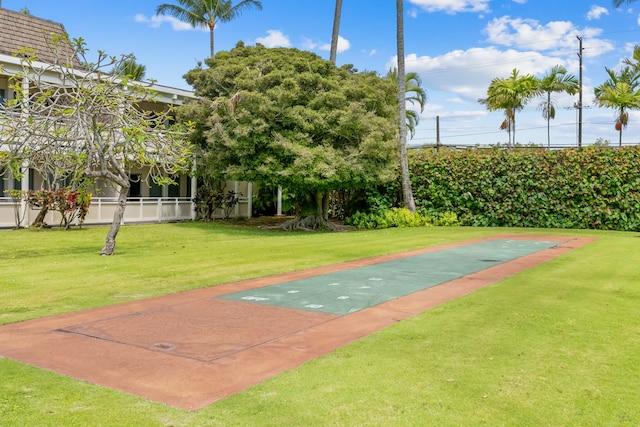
69, 119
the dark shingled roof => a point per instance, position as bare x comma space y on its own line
19, 30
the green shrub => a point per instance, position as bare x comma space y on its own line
399, 217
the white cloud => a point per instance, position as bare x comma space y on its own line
467, 73
452, 6
343, 45
308, 44
518, 32
520, 1
596, 12
274, 38
555, 37
157, 20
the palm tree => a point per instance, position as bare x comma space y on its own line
414, 94
207, 13
634, 61
131, 69
618, 3
336, 32
407, 193
511, 95
556, 80
621, 93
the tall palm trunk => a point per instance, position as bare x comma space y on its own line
621, 121
336, 31
513, 129
211, 27
407, 193
548, 122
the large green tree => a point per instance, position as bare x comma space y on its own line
555, 81
207, 13
511, 94
620, 92
285, 117
414, 94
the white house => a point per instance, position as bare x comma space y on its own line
147, 202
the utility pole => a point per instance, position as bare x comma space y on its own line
438, 134
580, 96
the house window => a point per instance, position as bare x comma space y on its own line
134, 186
3, 97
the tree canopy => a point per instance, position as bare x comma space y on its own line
555, 80
285, 117
621, 93
511, 94
207, 13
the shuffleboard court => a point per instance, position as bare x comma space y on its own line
193, 348
348, 291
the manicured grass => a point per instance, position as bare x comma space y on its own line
555, 345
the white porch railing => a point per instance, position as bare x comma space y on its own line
139, 209
101, 211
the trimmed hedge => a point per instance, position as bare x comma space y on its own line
591, 188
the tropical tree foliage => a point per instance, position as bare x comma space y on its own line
511, 94
414, 94
285, 117
620, 92
555, 81
618, 3
131, 69
207, 13
90, 124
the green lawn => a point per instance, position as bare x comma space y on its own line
556, 345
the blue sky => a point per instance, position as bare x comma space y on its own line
457, 47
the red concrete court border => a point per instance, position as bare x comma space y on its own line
191, 349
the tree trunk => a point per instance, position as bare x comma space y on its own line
514, 129
318, 220
39, 221
325, 206
620, 136
407, 193
211, 27
549, 120
336, 32
319, 211
110, 243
